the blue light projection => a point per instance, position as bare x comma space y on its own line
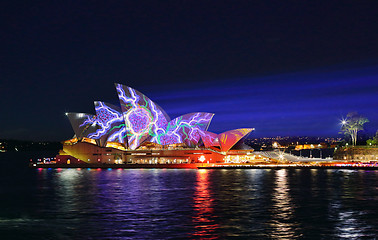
89, 120
111, 126
184, 129
80, 122
141, 115
90, 126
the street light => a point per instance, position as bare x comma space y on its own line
202, 159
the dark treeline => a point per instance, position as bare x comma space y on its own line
20, 145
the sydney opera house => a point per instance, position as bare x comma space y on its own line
139, 131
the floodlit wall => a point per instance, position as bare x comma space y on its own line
90, 153
357, 153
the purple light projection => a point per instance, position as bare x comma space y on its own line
210, 139
184, 129
89, 120
141, 115
146, 120
110, 122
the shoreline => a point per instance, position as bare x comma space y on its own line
205, 166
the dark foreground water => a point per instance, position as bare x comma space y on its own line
185, 204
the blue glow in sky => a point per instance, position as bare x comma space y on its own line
302, 103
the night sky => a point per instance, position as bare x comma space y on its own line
286, 68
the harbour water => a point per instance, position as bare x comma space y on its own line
185, 203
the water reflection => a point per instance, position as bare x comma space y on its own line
348, 226
203, 218
349, 222
192, 204
70, 184
282, 224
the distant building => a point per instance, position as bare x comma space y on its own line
311, 146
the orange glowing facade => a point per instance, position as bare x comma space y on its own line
225, 140
228, 139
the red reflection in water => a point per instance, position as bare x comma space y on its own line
203, 218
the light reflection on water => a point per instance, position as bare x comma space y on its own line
204, 215
188, 204
283, 226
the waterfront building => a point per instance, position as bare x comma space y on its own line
139, 131
357, 153
312, 146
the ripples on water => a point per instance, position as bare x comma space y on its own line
188, 204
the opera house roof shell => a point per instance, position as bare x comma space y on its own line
139, 120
